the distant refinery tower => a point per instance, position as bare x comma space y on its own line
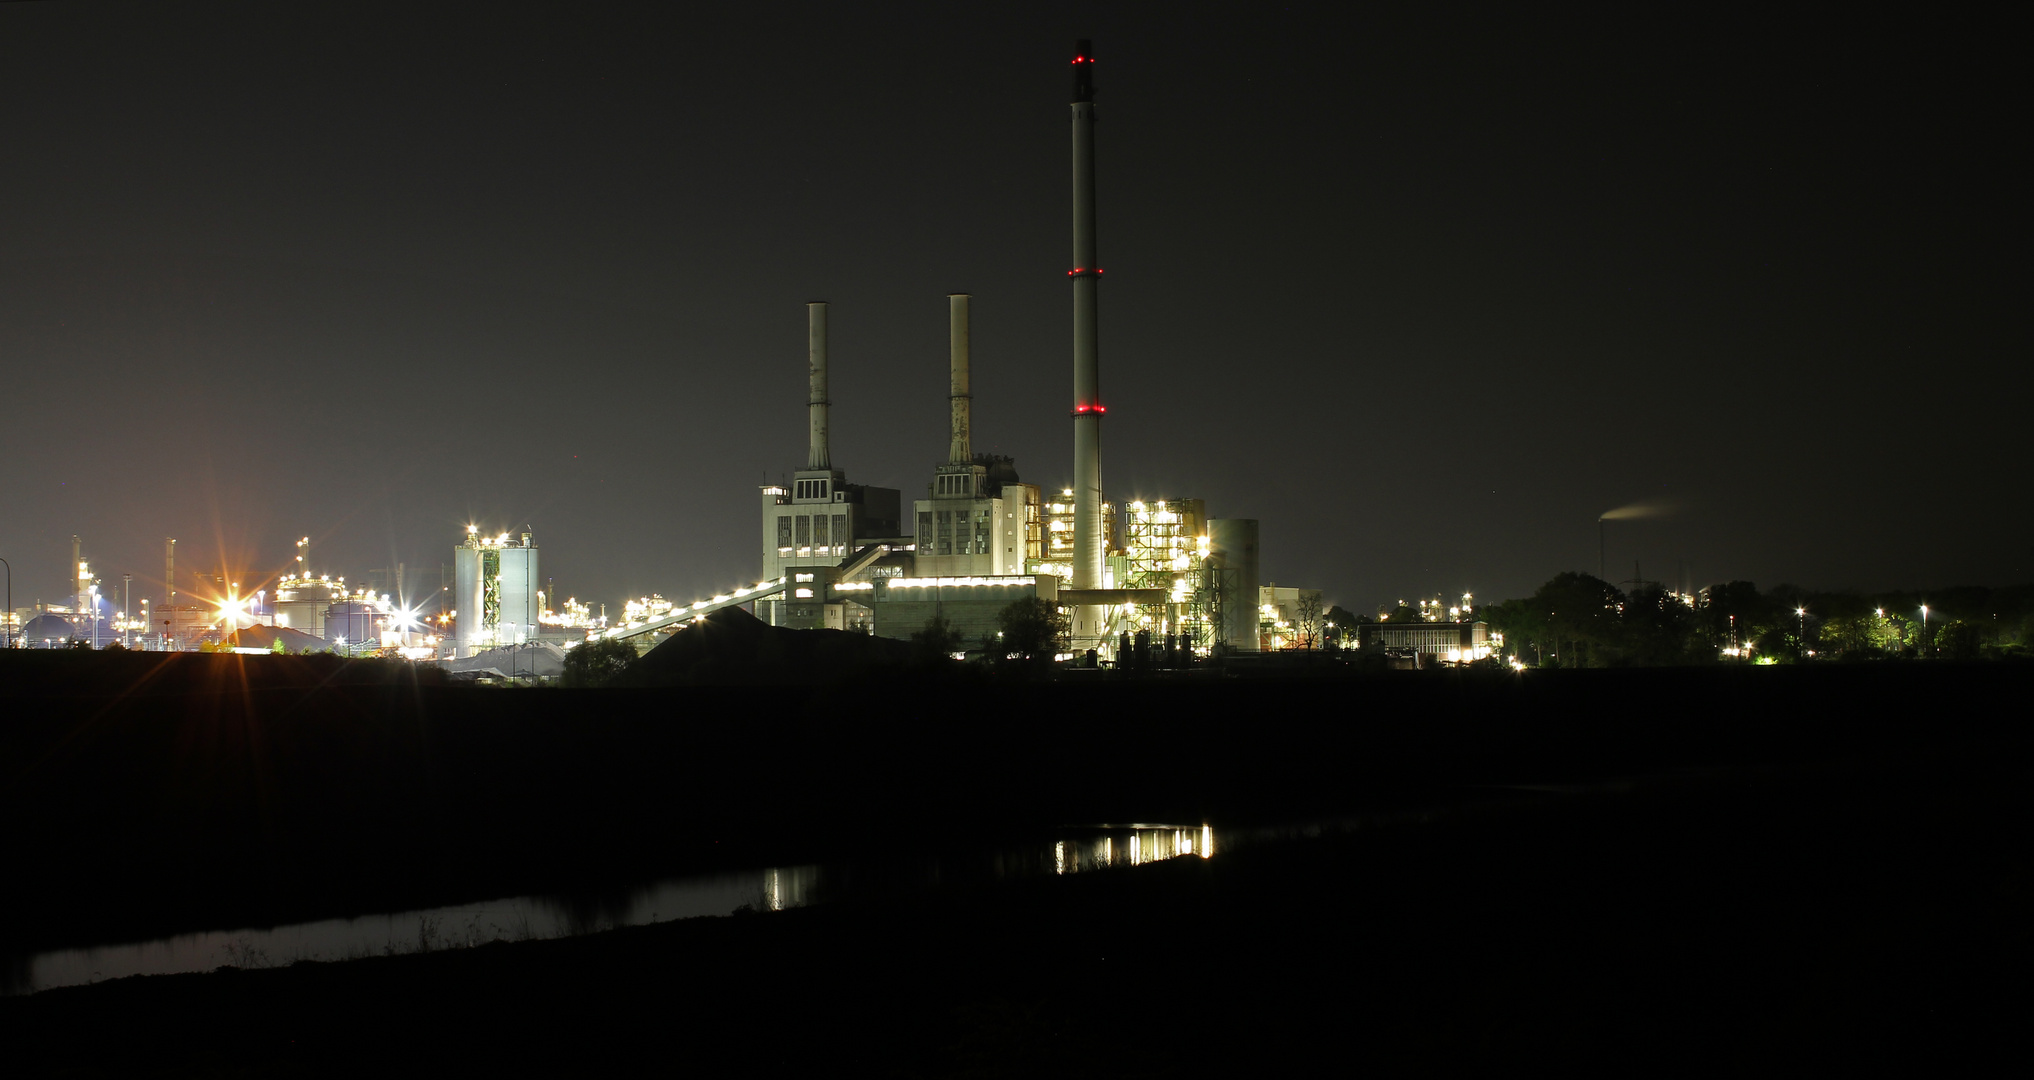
496, 585
1087, 408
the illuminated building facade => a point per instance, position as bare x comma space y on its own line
1452, 642
977, 521
822, 519
497, 590
1056, 535
1164, 542
971, 606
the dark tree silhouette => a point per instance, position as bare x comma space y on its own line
1033, 628
596, 663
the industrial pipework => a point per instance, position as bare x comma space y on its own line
1087, 410
815, 352
961, 449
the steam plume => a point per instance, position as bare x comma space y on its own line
1644, 508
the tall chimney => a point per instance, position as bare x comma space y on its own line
960, 401
1086, 276
77, 576
815, 353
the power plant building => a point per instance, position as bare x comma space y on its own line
975, 520
846, 556
833, 553
810, 527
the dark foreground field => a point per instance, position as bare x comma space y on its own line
1810, 866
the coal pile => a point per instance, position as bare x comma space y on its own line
733, 647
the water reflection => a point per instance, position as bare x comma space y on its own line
525, 918
1147, 843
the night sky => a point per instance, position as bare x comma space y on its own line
1425, 298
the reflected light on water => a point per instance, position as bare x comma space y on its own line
1147, 844
537, 917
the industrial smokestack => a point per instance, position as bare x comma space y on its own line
169, 587
815, 354
1087, 410
961, 451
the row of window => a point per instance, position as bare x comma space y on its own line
1449, 634
812, 489
954, 532
812, 531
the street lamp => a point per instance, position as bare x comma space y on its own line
1924, 625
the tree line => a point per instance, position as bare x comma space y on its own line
1578, 620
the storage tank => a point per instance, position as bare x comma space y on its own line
300, 603
46, 630
352, 623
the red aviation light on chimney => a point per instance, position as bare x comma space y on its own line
1083, 79
1079, 409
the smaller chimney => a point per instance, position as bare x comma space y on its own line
961, 451
815, 351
